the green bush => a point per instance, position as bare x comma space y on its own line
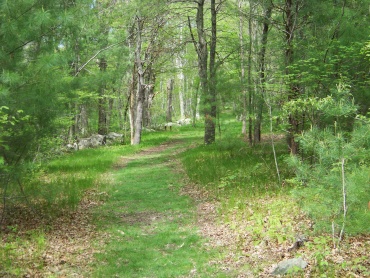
332, 172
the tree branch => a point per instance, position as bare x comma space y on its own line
192, 36
92, 57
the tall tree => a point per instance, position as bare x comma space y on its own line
267, 10
291, 24
208, 84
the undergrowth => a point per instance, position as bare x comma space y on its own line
231, 165
263, 212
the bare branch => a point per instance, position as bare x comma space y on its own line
92, 57
192, 36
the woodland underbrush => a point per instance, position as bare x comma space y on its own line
265, 217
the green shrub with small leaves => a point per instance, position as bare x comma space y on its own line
333, 170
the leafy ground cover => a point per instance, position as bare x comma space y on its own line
173, 208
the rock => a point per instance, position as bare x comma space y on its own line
83, 143
73, 146
284, 266
170, 125
300, 240
97, 140
114, 136
185, 121
91, 142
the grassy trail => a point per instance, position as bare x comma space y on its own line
149, 222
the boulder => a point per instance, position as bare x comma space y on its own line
97, 140
283, 267
91, 142
169, 125
185, 121
114, 136
73, 146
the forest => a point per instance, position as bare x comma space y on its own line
131, 119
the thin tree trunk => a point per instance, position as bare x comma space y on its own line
211, 114
290, 27
102, 103
84, 120
149, 95
169, 100
242, 68
132, 105
262, 75
249, 81
202, 53
138, 123
181, 77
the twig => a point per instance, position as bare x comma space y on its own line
273, 146
92, 57
344, 202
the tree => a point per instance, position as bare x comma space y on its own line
267, 10
208, 85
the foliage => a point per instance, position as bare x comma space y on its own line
332, 172
13, 252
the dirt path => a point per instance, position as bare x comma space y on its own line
69, 241
70, 252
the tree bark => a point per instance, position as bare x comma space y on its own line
102, 103
249, 81
132, 101
211, 108
169, 100
181, 77
202, 53
262, 74
138, 123
290, 14
242, 69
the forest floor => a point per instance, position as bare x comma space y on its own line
151, 221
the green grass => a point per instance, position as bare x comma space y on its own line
151, 223
232, 164
61, 183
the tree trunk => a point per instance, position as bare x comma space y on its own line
169, 100
250, 85
132, 101
149, 95
181, 78
262, 74
242, 69
102, 103
138, 123
202, 53
84, 120
211, 108
291, 13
